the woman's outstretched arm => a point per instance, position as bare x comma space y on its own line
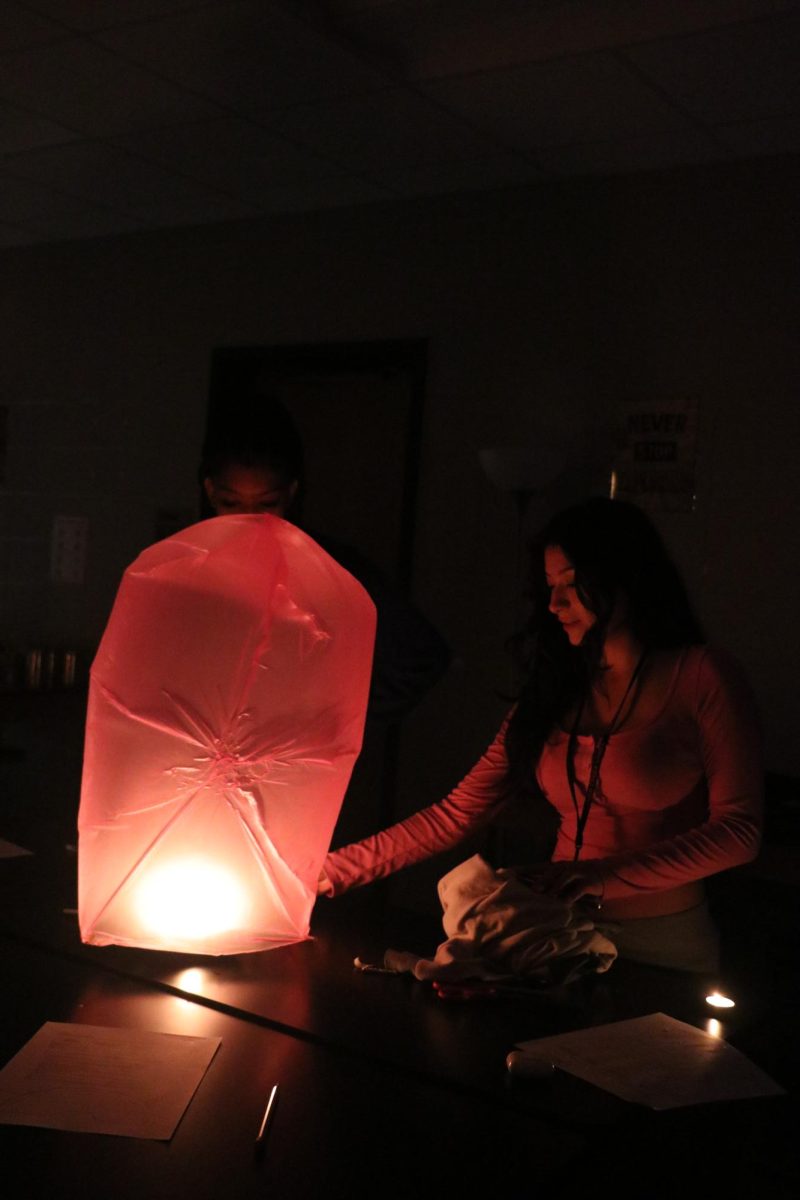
479, 796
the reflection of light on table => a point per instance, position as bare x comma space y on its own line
190, 1017
714, 1027
190, 898
718, 1000
191, 980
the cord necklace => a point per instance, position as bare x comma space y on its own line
600, 745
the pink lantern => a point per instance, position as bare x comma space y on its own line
226, 710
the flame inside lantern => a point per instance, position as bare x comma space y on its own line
191, 898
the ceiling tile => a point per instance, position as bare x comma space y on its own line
581, 99
317, 194
25, 200
106, 175
20, 130
739, 73
13, 235
246, 56
232, 155
478, 174
658, 151
384, 130
198, 209
124, 114
93, 91
21, 28
87, 15
85, 223
780, 135
434, 40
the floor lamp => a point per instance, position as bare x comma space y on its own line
523, 472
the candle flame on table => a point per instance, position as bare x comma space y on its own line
717, 1000
190, 898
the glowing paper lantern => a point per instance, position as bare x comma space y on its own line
226, 710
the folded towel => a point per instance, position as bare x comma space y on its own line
498, 928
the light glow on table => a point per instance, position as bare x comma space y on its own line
190, 898
192, 979
718, 1000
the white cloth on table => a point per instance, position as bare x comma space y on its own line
498, 928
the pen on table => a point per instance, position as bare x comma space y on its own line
530, 1066
261, 1136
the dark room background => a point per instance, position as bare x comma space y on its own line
543, 310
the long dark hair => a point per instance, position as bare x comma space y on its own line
618, 556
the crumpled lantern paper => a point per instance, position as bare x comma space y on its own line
226, 710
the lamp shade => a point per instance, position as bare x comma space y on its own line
226, 710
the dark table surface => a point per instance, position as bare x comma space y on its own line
385, 1089
343, 1126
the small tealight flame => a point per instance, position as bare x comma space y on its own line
191, 898
717, 1000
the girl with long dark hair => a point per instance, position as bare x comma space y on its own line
640, 736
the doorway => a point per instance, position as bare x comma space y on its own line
358, 408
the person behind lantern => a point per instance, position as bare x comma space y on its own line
640, 736
255, 464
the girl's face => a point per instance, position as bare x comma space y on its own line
576, 620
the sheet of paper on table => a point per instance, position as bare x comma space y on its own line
655, 1061
9, 850
92, 1079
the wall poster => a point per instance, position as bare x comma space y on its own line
656, 459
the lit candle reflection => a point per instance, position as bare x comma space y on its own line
192, 980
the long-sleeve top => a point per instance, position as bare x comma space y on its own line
679, 796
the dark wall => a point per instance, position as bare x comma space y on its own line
542, 309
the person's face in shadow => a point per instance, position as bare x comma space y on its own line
241, 489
